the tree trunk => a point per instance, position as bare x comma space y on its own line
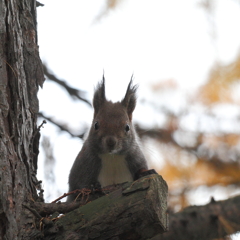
20, 75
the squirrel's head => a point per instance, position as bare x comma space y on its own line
112, 130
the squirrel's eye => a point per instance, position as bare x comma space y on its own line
127, 128
96, 125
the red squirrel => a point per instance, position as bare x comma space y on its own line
111, 153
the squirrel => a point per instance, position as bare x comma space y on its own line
111, 153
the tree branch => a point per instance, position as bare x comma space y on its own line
62, 127
73, 92
212, 221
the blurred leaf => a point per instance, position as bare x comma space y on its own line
110, 5
165, 84
218, 87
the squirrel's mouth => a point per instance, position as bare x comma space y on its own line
114, 151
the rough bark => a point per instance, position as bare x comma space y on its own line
138, 210
20, 75
212, 221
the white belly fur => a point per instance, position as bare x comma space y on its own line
114, 170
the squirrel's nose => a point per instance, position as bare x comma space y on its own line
111, 142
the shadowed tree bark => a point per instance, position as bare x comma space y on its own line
21, 74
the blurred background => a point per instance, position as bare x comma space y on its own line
185, 56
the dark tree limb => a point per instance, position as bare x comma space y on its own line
73, 92
212, 221
38, 4
45, 209
166, 135
85, 196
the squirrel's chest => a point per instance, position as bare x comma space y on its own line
114, 170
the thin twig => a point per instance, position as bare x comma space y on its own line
60, 126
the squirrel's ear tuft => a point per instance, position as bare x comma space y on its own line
129, 101
99, 96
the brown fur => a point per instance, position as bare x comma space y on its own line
111, 152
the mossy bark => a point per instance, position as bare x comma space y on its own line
137, 210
